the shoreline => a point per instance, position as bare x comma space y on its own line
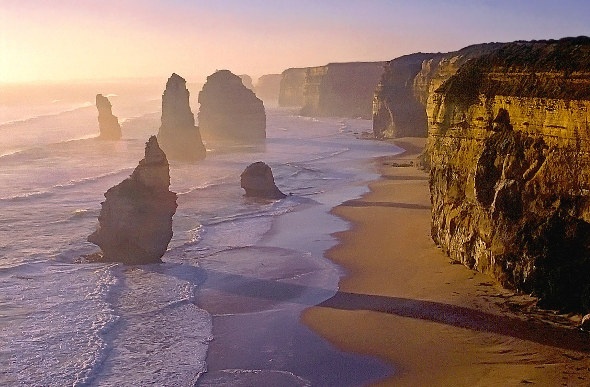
436, 323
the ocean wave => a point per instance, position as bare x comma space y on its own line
57, 187
28, 120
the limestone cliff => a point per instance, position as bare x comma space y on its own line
108, 124
397, 112
135, 221
230, 111
267, 88
341, 89
509, 142
291, 88
178, 136
402, 96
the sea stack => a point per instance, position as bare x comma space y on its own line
178, 136
135, 221
257, 180
108, 124
230, 111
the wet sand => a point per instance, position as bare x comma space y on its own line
435, 322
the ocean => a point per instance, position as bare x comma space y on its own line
63, 323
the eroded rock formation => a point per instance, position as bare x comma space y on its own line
509, 143
178, 136
230, 111
257, 180
247, 81
341, 89
268, 87
108, 124
292, 87
135, 221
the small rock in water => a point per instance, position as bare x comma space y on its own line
257, 180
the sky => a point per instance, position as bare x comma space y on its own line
57, 40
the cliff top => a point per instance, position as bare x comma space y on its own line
544, 69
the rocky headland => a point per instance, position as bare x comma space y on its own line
135, 221
341, 89
178, 136
230, 111
292, 87
509, 156
108, 123
403, 94
258, 181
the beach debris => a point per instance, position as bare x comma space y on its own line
257, 180
135, 221
178, 136
230, 111
108, 124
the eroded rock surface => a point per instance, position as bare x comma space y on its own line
178, 136
509, 141
258, 181
230, 111
108, 123
135, 221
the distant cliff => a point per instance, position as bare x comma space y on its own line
268, 87
402, 96
291, 87
341, 89
509, 146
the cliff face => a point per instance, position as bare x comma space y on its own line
509, 145
108, 124
268, 87
178, 136
402, 97
341, 89
230, 111
291, 87
397, 112
135, 222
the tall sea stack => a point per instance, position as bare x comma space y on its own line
108, 124
135, 221
178, 136
230, 111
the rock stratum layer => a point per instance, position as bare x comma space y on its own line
178, 136
509, 145
341, 89
108, 123
230, 111
135, 221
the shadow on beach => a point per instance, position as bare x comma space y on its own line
457, 316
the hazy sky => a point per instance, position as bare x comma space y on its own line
96, 39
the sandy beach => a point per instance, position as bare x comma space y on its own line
436, 323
